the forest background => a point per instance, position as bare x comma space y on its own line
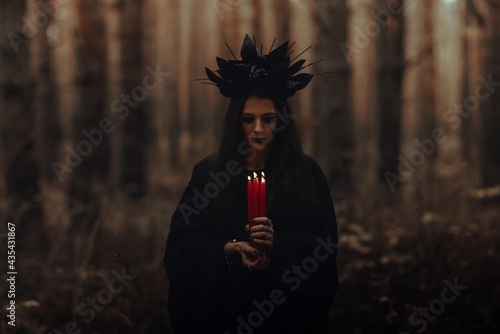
101, 124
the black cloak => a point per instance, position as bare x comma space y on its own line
293, 295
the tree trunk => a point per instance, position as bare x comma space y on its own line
303, 35
47, 130
283, 8
490, 115
20, 171
247, 18
169, 103
212, 110
390, 68
258, 21
114, 89
90, 142
426, 79
476, 43
64, 51
418, 146
197, 115
366, 158
184, 58
332, 123
269, 26
150, 59
135, 130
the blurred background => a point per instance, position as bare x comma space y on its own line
101, 124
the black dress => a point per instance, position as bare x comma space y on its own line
293, 295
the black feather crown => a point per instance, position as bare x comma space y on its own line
270, 73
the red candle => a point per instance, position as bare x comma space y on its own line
249, 196
255, 196
262, 208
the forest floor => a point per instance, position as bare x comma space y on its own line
432, 272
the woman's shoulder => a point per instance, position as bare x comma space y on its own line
207, 166
309, 160
203, 167
312, 164
206, 162
315, 169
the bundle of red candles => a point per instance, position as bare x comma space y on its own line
256, 193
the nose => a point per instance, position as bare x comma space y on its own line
258, 127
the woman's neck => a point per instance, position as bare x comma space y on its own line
257, 161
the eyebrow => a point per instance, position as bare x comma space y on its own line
266, 114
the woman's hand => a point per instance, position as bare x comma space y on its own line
261, 234
251, 258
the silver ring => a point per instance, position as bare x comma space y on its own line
267, 236
249, 267
267, 227
270, 222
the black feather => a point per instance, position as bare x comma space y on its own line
248, 51
296, 67
212, 76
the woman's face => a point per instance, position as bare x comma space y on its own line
258, 121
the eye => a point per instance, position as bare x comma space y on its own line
269, 120
247, 119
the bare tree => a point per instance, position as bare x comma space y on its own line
20, 171
480, 117
171, 92
490, 116
47, 128
135, 124
332, 142
114, 75
362, 55
91, 81
390, 60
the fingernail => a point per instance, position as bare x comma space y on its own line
250, 239
257, 253
252, 221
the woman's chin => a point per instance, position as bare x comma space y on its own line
258, 147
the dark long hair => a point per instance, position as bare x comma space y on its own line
294, 187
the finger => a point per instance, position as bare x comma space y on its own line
250, 252
246, 252
263, 244
262, 228
259, 228
250, 261
260, 221
263, 235
258, 253
261, 265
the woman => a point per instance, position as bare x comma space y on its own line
277, 274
